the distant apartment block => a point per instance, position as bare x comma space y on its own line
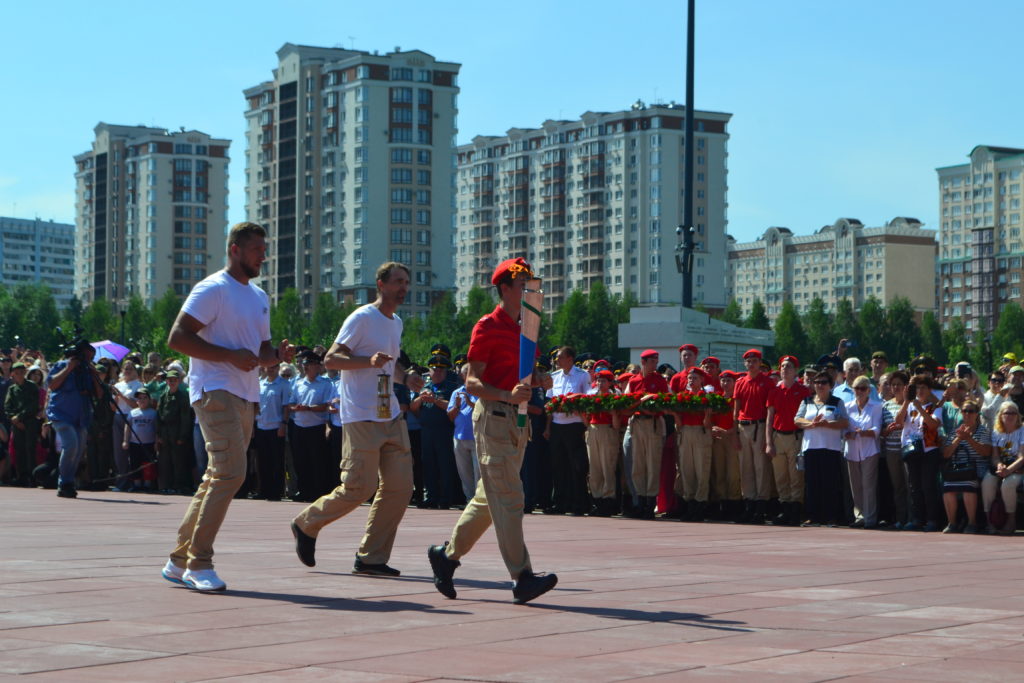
38, 251
845, 260
349, 164
595, 199
980, 244
150, 212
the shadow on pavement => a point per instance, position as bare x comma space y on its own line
341, 604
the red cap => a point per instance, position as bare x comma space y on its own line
514, 266
712, 360
751, 353
728, 374
648, 353
791, 359
605, 374
689, 347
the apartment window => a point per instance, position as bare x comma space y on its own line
401, 135
401, 74
401, 175
423, 156
423, 217
362, 71
401, 216
423, 177
424, 97
401, 155
181, 148
399, 196
402, 95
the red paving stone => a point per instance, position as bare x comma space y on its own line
82, 599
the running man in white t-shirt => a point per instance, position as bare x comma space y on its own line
375, 441
224, 327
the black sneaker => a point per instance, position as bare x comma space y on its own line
444, 569
305, 546
382, 569
67, 491
530, 586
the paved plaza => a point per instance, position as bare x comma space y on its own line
82, 599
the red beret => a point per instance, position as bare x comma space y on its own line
751, 353
712, 360
791, 359
730, 374
605, 374
704, 377
688, 347
624, 377
514, 266
648, 353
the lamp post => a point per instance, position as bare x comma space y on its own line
684, 250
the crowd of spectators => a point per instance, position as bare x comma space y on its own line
832, 443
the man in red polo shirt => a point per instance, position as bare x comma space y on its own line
494, 379
750, 410
725, 465
782, 440
648, 434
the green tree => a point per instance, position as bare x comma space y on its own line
733, 313
931, 338
978, 353
602, 337
568, 324
36, 318
1009, 333
326, 320
903, 330
872, 334
847, 326
99, 321
442, 326
286, 318
790, 337
757, 319
954, 341
139, 326
818, 325
165, 312
73, 313
479, 302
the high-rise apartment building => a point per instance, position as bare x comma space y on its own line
150, 212
597, 199
980, 244
350, 163
845, 260
37, 251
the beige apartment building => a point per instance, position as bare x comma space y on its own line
595, 199
150, 212
842, 260
350, 163
980, 244
38, 251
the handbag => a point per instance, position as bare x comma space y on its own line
959, 471
914, 449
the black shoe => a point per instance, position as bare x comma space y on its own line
381, 569
67, 491
530, 586
305, 546
444, 569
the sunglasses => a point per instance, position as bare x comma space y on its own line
968, 411
996, 380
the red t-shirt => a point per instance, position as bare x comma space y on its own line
653, 383
677, 384
601, 418
495, 341
692, 419
786, 403
723, 420
751, 395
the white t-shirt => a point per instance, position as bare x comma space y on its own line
143, 426
128, 389
235, 316
1007, 446
366, 332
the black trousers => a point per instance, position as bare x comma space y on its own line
269, 463
569, 467
823, 479
309, 455
437, 457
923, 482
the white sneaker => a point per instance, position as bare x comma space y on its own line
173, 573
205, 580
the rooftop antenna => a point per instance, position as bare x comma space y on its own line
352, 42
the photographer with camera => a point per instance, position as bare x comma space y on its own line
73, 383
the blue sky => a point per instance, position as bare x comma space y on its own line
839, 109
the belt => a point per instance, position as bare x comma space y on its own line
787, 432
645, 417
750, 422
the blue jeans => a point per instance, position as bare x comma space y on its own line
72, 448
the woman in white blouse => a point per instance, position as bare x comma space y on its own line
823, 418
861, 451
1007, 465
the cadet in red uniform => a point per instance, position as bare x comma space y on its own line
750, 410
603, 449
648, 434
783, 439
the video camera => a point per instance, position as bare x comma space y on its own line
76, 347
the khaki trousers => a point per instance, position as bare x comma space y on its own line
693, 452
500, 445
754, 469
725, 469
603, 452
226, 422
371, 452
648, 441
788, 478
